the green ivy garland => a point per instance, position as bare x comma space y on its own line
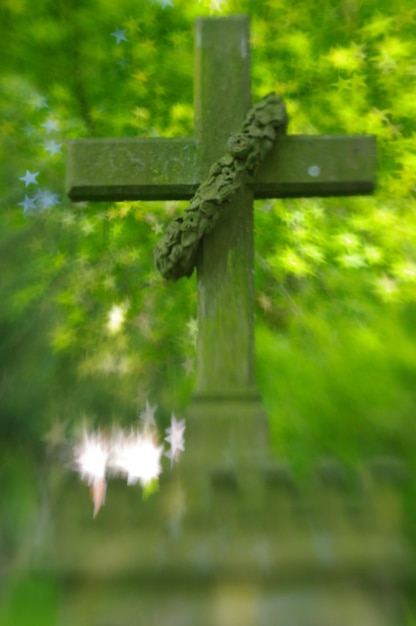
175, 253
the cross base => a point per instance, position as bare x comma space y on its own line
259, 548
231, 428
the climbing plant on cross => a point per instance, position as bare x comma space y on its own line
173, 168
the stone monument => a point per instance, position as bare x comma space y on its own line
231, 538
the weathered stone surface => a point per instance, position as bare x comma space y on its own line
322, 165
225, 348
167, 169
175, 253
251, 521
222, 545
131, 169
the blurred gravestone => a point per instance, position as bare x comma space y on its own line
231, 538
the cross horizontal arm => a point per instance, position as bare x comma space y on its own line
322, 165
152, 168
167, 169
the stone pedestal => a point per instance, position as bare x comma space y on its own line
254, 548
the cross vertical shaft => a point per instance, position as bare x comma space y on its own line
225, 418
225, 261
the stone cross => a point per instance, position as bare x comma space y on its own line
172, 168
252, 551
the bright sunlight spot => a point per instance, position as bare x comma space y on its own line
116, 317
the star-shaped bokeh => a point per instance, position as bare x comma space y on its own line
28, 129
120, 35
51, 124
39, 102
47, 199
53, 148
55, 436
148, 416
28, 203
30, 178
139, 459
176, 438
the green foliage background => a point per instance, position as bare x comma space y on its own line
336, 277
